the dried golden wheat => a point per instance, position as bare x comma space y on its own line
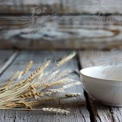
38, 88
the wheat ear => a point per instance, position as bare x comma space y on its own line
56, 90
29, 65
56, 83
71, 84
62, 74
65, 87
34, 74
72, 94
66, 59
56, 110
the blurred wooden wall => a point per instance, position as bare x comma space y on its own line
65, 24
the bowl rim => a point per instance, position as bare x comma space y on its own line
103, 79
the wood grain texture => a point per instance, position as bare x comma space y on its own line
93, 58
6, 58
8, 62
62, 6
77, 106
61, 32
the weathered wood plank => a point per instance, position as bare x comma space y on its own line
8, 63
62, 6
79, 32
77, 106
94, 58
6, 58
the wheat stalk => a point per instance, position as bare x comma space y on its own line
4, 86
31, 103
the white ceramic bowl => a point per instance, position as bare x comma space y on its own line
104, 83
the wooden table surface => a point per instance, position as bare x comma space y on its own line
80, 24
83, 108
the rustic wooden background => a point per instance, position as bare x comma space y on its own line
65, 24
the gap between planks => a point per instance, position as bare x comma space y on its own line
88, 101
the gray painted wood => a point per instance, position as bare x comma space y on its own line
62, 6
78, 109
8, 62
93, 58
61, 32
6, 58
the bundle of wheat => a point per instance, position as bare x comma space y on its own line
37, 88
